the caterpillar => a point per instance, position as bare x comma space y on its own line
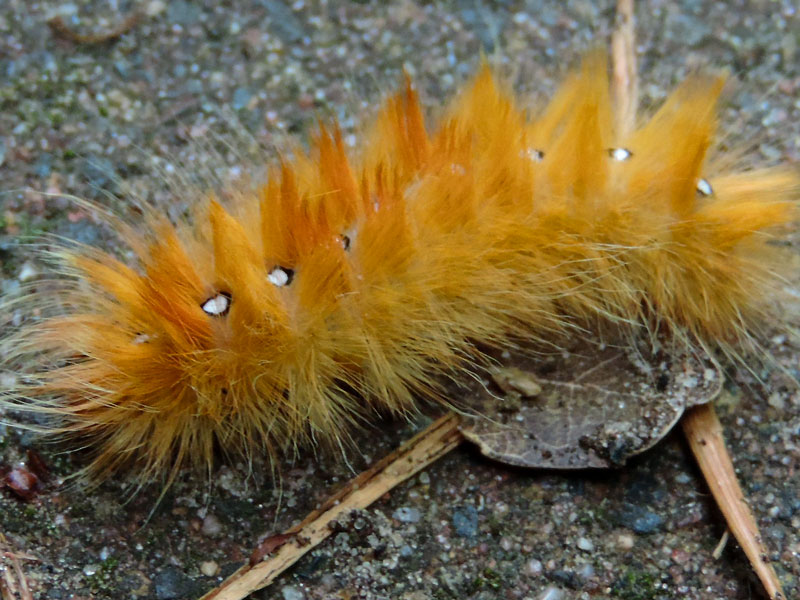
349, 284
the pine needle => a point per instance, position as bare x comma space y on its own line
704, 433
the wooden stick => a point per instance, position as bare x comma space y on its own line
413, 456
624, 81
704, 433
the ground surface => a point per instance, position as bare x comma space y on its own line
79, 119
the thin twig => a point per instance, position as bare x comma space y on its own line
7, 586
24, 590
704, 433
413, 456
16, 582
721, 545
624, 82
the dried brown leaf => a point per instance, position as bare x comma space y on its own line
598, 407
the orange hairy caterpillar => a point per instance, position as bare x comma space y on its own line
352, 284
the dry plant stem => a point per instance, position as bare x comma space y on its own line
6, 584
24, 590
5, 592
16, 582
721, 545
624, 81
704, 433
413, 456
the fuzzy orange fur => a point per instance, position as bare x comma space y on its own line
491, 228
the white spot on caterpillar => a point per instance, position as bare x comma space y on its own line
704, 187
534, 154
376, 205
620, 154
280, 276
457, 169
218, 306
142, 338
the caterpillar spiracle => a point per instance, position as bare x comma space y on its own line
348, 283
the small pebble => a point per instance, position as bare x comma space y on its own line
155, 7
534, 567
211, 526
586, 572
552, 593
776, 401
501, 509
406, 514
585, 544
241, 97
639, 519
465, 521
291, 592
172, 584
209, 568
66, 9
625, 541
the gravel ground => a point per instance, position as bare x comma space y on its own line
84, 119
